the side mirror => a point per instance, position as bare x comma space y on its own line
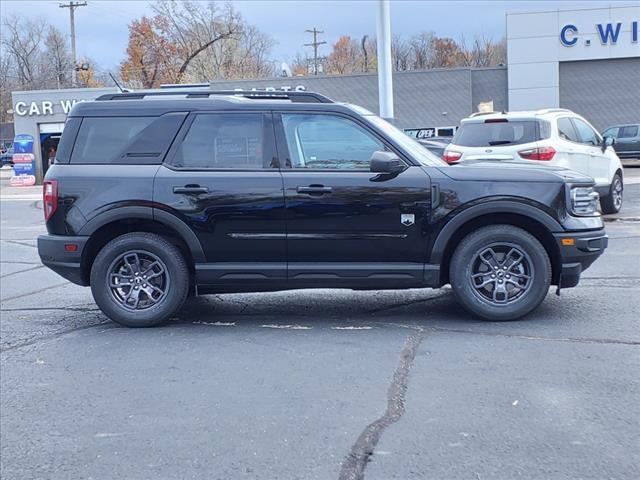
386, 162
607, 142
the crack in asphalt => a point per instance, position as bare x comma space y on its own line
601, 341
355, 463
20, 263
15, 242
34, 291
44, 338
21, 271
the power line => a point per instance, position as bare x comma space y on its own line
315, 44
72, 7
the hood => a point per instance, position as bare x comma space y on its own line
512, 171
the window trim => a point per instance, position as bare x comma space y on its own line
598, 137
269, 142
575, 130
283, 147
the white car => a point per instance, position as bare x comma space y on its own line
553, 136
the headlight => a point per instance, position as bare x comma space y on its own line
584, 201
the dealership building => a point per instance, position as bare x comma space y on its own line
586, 60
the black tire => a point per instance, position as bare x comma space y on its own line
612, 202
152, 252
491, 302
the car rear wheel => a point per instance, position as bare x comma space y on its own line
139, 279
500, 272
612, 203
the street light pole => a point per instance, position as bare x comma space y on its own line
385, 79
72, 6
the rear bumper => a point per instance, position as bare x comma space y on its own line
54, 255
576, 258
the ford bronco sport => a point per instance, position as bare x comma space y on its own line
158, 194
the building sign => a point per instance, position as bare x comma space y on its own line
430, 132
24, 163
607, 33
283, 88
43, 107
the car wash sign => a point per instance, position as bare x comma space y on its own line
44, 107
611, 33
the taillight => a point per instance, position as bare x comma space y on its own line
49, 198
451, 156
540, 153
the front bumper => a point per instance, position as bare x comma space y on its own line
67, 264
578, 250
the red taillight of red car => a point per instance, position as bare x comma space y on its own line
49, 198
541, 153
451, 156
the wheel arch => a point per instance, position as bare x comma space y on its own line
536, 222
107, 226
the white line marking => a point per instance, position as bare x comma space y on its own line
351, 328
217, 324
288, 327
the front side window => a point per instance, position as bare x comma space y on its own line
611, 132
223, 141
566, 130
629, 131
328, 141
587, 134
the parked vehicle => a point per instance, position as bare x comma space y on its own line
6, 158
214, 192
627, 144
435, 147
552, 136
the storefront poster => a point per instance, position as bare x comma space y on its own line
24, 165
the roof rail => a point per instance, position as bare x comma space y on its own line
479, 114
552, 110
297, 97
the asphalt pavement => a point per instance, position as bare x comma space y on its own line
319, 384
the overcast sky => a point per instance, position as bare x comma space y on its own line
101, 26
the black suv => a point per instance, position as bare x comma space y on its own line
157, 195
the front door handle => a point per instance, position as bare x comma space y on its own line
195, 189
314, 190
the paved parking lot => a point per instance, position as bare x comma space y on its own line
305, 385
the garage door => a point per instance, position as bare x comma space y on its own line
605, 92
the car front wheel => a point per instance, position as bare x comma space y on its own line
139, 279
500, 272
612, 202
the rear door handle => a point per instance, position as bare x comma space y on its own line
314, 190
190, 189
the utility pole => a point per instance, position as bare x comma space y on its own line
315, 44
385, 79
72, 6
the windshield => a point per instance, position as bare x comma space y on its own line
493, 133
411, 146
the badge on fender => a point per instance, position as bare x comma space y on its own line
407, 219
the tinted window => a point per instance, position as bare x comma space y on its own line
223, 140
326, 141
512, 132
629, 131
587, 134
566, 130
104, 139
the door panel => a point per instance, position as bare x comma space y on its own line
236, 208
346, 225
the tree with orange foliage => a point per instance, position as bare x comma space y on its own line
150, 54
346, 56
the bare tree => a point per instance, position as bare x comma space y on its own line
195, 26
21, 39
58, 57
421, 50
400, 53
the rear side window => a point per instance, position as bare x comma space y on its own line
629, 131
224, 141
492, 133
102, 139
125, 140
566, 130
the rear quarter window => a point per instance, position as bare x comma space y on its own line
486, 134
134, 140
